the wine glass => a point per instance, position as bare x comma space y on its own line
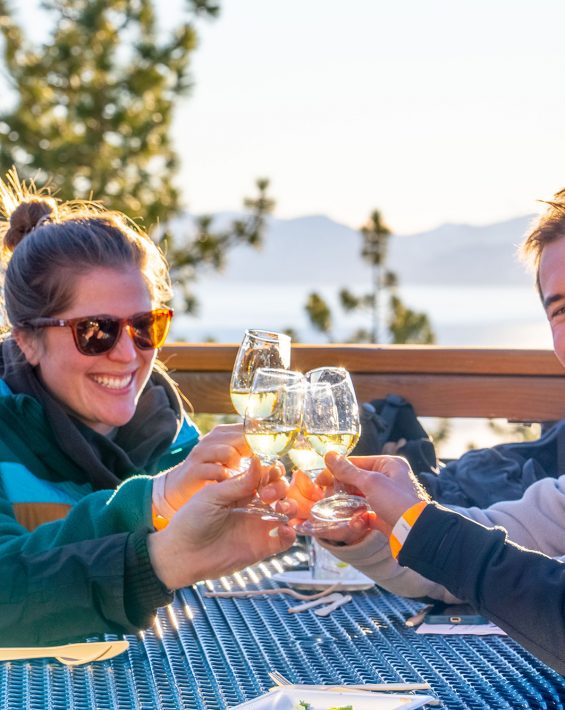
273, 418
331, 427
320, 414
259, 348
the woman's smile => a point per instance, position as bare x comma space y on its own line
114, 382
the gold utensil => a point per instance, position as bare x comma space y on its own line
71, 654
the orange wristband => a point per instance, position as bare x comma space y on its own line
159, 522
403, 526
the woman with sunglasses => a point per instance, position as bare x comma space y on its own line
97, 457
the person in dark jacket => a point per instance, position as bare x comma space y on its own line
104, 509
520, 590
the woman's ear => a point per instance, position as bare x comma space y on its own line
29, 344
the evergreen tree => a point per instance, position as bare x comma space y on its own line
94, 104
404, 325
208, 247
319, 313
408, 326
375, 242
92, 112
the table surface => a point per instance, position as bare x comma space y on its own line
212, 654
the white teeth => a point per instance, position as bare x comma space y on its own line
113, 383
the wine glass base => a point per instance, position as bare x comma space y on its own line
339, 507
311, 528
332, 513
262, 511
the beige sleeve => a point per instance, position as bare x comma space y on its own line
373, 557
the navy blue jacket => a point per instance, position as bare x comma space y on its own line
521, 591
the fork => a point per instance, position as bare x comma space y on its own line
282, 681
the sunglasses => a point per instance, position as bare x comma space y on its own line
96, 335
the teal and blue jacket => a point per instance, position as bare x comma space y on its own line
63, 546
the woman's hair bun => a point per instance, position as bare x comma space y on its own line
28, 215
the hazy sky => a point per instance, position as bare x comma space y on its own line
430, 110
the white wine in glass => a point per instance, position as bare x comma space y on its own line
307, 452
259, 348
305, 458
272, 421
331, 428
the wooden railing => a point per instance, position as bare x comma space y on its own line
519, 385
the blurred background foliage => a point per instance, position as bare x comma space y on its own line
90, 114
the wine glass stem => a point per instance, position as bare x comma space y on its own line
311, 555
267, 460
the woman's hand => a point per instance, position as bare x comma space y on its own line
304, 492
216, 457
386, 481
205, 540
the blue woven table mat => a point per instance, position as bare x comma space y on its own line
211, 654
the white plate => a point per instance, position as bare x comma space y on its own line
289, 699
302, 579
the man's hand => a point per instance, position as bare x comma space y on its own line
206, 540
305, 492
386, 481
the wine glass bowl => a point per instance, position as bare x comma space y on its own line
273, 418
259, 348
339, 429
331, 423
274, 412
320, 415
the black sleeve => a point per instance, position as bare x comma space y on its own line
521, 591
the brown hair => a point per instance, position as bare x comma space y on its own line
46, 243
550, 227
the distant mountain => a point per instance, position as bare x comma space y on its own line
461, 253
316, 248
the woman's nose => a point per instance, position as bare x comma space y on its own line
124, 349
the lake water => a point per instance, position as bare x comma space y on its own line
495, 317
492, 317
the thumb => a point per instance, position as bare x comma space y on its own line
343, 470
241, 486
